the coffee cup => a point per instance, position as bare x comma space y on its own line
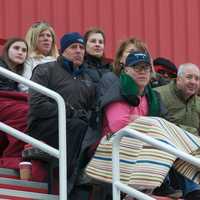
25, 170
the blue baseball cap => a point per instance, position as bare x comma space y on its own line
137, 57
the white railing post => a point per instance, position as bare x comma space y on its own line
28, 139
117, 185
115, 170
61, 154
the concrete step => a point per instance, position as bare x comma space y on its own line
7, 194
156, 197
31, 186
9, 173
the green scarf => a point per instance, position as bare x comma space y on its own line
130, 91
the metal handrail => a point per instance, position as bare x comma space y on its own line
62, 152
117, 185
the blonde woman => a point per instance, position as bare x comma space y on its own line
41, 40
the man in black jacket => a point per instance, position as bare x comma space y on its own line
67, 77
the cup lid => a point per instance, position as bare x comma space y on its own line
25, 163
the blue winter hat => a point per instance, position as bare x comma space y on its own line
137, 57
70, 38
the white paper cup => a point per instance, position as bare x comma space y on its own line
25, 170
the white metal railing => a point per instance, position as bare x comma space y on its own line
117, 185
62, 152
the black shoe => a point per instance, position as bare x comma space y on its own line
167, 191
195, 195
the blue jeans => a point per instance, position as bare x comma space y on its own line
186, 185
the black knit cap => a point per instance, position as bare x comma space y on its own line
166, 63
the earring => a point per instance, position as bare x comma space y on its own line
126, 70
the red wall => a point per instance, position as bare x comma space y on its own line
171, 28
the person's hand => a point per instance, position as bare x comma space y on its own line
133, 118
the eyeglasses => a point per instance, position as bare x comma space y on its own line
139, 68
36, 24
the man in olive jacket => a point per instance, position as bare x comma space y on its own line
181, 100
183, 105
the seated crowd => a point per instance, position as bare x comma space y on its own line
135, 91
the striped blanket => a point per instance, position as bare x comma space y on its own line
141, 165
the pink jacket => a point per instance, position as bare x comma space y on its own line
118, 114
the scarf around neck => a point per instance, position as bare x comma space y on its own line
68, 65
130, 92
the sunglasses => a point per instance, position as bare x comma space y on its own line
36, 24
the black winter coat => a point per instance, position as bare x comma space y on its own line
5, 83
96, 67
79, 95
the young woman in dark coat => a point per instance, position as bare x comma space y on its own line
13, 57
95, 62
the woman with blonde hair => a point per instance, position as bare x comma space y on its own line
41, 39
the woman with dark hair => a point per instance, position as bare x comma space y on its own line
13, 104
106, 91
13, 57
95, 66
14, 108
95, 62
126, 46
